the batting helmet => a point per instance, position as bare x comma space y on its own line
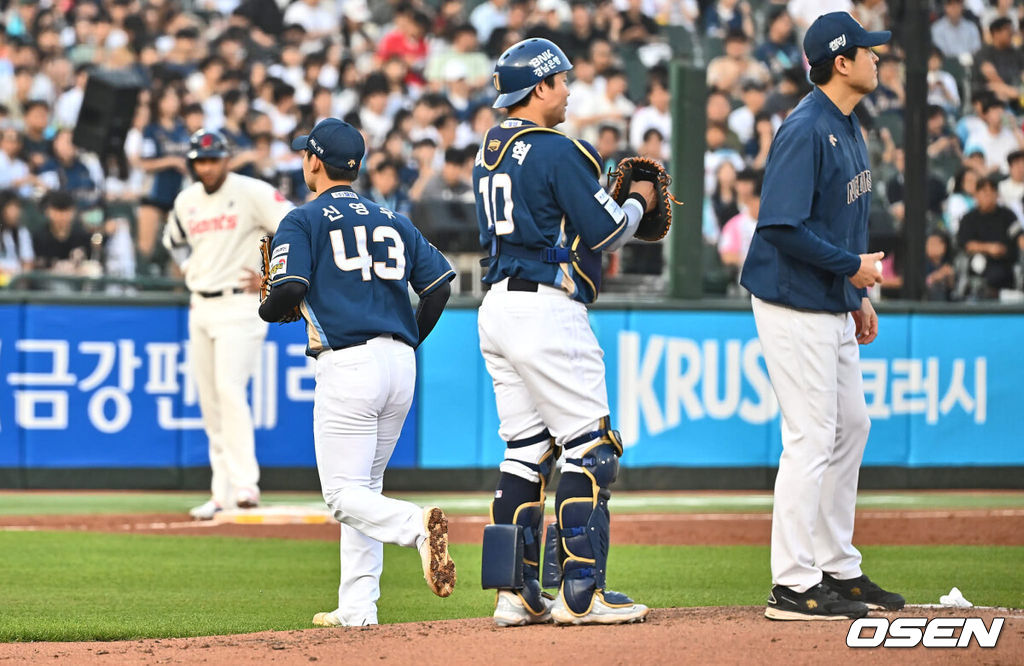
207, 143
522, 66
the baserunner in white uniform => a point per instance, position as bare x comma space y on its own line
808, 269
348, 263
220, 219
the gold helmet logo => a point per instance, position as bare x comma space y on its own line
497, 85
351, 164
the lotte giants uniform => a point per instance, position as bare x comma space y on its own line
223, 231
817, 182
358, 260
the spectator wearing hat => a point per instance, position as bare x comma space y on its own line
779, 50
999, 65
656, 115
953, 34
728, 71
991, 236
1011, 188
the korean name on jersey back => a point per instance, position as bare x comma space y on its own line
357, 259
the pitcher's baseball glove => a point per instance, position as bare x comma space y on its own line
267, 272
655, 223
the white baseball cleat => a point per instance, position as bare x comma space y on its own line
247, 498
511, 611
599, 613
205, 511
438, 568
326, 620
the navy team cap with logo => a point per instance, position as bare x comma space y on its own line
335, 142
836, 32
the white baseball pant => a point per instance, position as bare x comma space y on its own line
226, 334
546, 366
362, 397
813, 360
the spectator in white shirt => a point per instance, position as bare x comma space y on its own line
1011, 189
487, 16
611, 106
319, 19
741, 120
995, 140
653, 116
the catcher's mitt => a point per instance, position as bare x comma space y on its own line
655, 223
267, 272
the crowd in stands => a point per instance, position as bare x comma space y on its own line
415, 77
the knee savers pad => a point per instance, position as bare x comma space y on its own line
511, 556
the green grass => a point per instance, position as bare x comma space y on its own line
86, 586
76, 503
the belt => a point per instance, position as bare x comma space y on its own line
222, 292
519, 284
394, 336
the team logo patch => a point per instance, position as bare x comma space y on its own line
280, 265
832, 139
493, 144
281, 249
344, 194
511, 123
351, 164
837, 43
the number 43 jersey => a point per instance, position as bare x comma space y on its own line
357, 259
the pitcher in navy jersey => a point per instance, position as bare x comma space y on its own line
348, 263
808, 269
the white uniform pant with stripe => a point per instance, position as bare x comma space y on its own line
813, 360
226, 335
546, 366
362, 397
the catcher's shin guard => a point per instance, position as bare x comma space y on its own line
511, 552
583, 521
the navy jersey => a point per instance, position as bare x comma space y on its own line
357, 259
158, 141
537, 189
817, 175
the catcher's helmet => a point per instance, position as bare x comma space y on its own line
207, 143
522, 66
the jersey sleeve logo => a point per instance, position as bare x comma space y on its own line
280, 265
281, 249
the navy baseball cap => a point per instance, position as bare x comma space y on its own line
835, 32
335, 142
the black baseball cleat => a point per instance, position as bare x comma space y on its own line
862, 589
818, 603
